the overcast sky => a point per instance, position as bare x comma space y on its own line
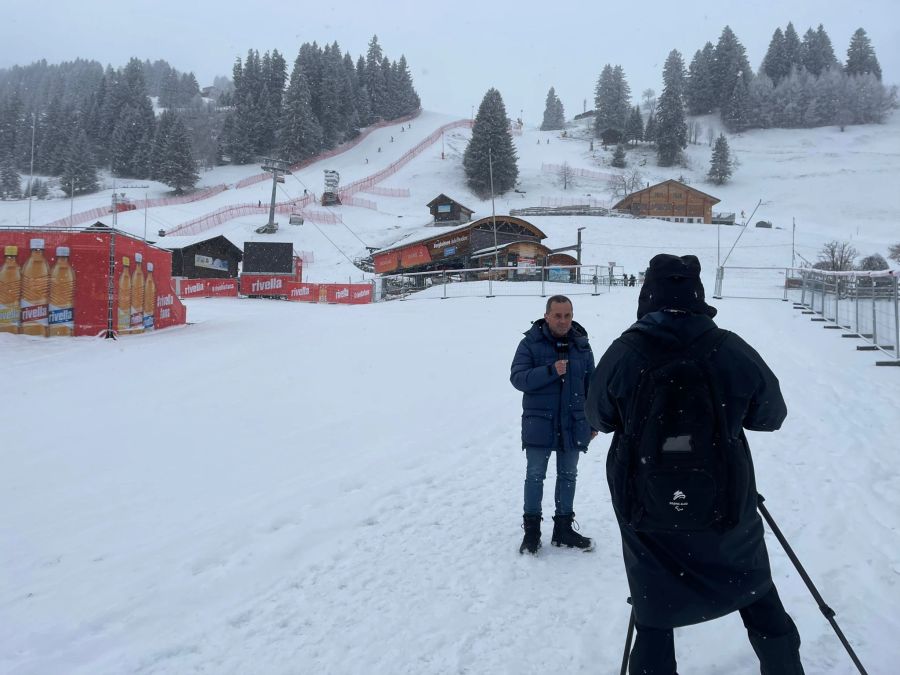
456, 50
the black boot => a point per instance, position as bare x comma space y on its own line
531, 542
564, 535
777, 655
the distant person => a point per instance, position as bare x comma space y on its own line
551, 368
631, 280
677, 391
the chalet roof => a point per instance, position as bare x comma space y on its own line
442, 197
443, 232
671, 180
179, 242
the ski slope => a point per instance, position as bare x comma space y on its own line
289, 488
286, 488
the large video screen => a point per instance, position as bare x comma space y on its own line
268, 257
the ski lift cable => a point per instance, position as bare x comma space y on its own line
335, 214
741, 233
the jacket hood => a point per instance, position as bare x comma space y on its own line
675, 329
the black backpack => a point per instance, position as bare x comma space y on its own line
682, 473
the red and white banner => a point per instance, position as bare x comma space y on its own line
303, 292
348, 294
266, 284
207, 288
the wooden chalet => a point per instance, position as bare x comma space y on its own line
446, 210
670, 200
202, 257
456, 248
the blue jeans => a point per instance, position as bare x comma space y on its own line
566, 473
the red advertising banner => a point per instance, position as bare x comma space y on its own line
386, 262
266, 284
207, 288
303, 292
414, 255
56, 283
349, 294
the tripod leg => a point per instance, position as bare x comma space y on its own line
628, 639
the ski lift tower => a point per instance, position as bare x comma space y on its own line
279, 169
330, 197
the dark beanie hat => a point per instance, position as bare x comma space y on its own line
673, 282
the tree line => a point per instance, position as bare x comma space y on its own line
82, 116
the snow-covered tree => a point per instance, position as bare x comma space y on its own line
873, 263
300, 135
720, 164
179, 170
731, 65
612, 101
700, 90
816, 51
671, 129
861, 56
618, 157
775, 64
634, 129
837, 256
491, 142
10, 180
79, 174
554, 115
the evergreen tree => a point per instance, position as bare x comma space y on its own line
650, 128
332, 119
178, 170
634, 130
79, 173
731, 64
364, 102
761, 102
700, 92
671, 129
10, 180
389, 105
736, 115
861, 56
775, 64
720, 164
491, 143
408, 98
612, 99
300, 135
376, 83
618, 158
792, 48
160, 143
816, 51
554, 116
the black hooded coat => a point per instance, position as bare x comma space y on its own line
677, 579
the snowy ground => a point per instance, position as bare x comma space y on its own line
284, 488
288, 488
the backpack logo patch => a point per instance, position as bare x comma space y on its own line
679, 501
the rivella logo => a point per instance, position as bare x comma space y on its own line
679, 501
193, 288
343, 293
268, 285
300, 292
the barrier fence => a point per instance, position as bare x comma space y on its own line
865, 304
388, 192
93, 214
553, 202
209, 220
497, 281
260, 177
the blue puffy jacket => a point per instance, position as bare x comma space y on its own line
553, 415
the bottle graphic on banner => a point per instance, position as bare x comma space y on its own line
10, 290
123, 324
62, 295
35, 291
137, 295
149, 298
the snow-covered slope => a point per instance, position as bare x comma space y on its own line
288, 488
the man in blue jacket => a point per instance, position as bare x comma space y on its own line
551, 368
682, 578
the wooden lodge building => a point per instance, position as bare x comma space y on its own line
202, 257
449, 211
669, 200
466, 246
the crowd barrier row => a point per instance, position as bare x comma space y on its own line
275, 286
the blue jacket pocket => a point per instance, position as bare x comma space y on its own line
537, 429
